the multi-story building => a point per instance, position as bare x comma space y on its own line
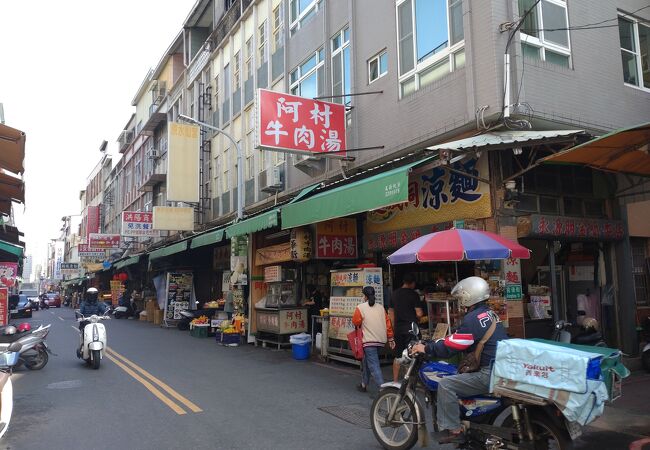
27, 269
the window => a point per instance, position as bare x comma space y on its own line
544, 33
236, 61
377, 66
308, 77
249, 58
640, 269
261, 48
225, 180
249, 166
635, 51
301, 12
217, 171
280, 157
341, 80
278, 22
430, 41
216, 90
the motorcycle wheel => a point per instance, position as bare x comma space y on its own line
39, 361
549, 435
95, 358
396, 435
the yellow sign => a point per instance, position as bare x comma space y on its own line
438, 195
183, 163
273, 254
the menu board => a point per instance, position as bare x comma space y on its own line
179, 294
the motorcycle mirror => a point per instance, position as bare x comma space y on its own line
415, 330
15, 347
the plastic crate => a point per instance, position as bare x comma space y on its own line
227, 338
199, 332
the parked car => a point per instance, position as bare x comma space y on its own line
20, 306
32, 296
53, 300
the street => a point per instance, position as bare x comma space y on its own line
162, 388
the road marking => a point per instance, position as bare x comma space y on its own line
193, 407
173, 406
61, 319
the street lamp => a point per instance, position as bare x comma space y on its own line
240, 164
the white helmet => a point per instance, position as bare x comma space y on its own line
470, 291
92, 290
10, 330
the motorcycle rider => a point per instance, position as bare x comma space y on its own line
472, 294
91, 305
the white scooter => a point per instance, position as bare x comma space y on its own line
8, 359
93, 339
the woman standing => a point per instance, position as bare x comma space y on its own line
377, 330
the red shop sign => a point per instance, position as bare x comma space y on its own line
300, 124
103, 241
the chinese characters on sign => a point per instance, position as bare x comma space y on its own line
512, 275
340, 327
90, 253
272, 274
4, 306
269, 322
293, 321
573, 227
344, 306
391, 240
336, 239
300, 124
300, 243
69, 269
8, 274
93, 219
138, 224
103, 241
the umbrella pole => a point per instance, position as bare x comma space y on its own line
456, 264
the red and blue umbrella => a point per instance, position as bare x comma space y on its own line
458, 245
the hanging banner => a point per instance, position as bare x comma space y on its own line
93, 219
273, 254
300, 124
183, 158
59, 249
437, 195
138, 224
336, 239
85, 252
4, 306
239, 260
560, 227
8, 274
103, 241
300, 243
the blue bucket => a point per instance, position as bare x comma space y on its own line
301, 351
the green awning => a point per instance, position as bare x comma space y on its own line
15, 250
378, 191
168, 251
268, 219
209, 238
127, 262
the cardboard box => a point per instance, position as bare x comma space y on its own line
157, 317
143, 316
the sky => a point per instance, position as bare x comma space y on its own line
69, 70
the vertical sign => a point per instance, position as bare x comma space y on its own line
93, 219
336, 239
512, 275
299, 124
8, 274
136, 223
58, 259
183, 163
4, 306
239, 259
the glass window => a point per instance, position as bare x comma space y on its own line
640, 269
428, 32
278, 22
544, 33
235, 71
635, 51
226, 81
301, 12
249, 58
306, 79
261, 48
549, 205
341, 66
377, 66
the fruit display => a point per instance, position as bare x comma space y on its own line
201, 320
215, 304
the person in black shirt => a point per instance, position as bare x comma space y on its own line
406, 308
314, 302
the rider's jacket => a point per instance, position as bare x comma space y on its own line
88, 308
473, 327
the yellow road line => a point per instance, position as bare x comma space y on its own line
177, 409
193, 407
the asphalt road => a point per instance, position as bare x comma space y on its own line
163, 389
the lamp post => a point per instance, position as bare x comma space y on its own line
240, 164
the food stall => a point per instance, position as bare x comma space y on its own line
346, 293
278, 314
179, 296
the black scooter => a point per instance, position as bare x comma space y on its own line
567, 332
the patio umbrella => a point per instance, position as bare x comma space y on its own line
458, 245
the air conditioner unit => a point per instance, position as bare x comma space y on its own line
274, 182
153, 153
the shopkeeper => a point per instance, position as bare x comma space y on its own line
314, 302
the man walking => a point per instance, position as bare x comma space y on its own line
406, 308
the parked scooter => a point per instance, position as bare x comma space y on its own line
188, 315
93, 338
587, 334
34, 350
125, 312
8, 359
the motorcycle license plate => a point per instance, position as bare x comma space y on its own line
13, 311
574, 429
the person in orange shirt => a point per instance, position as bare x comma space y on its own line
377, 330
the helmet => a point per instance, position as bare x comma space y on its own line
10, 330
470, 291
92, 290
24, 327
92, 294
590, 323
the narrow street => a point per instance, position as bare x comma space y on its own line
162, 389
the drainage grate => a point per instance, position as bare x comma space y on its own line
355, 414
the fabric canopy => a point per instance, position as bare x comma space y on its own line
624, 151
127, 262
507, 139
11, 188
268, 219
12, 149
168, 251
15, 250
209, 238
384, 189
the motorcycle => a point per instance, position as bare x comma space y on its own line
188, 315
122, 311
34, 353
510, 421
583, 335
92, 339
8, 359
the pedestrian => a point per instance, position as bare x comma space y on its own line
406, 308
377, 330
314, 302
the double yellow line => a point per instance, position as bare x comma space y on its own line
148, 381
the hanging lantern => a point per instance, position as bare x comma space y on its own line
123, 276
